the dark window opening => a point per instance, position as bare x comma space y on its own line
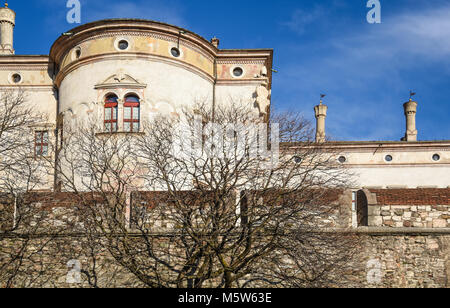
238, 72
298, 160
123, 45
362, 209
175, 52
17, 78
244, 209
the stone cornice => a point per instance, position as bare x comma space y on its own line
121, 27
398, 165
33, 88
129, 56
25, 63
31, 67
103, 27
241, 82
166, 37
120, 81
377, 145
380, 231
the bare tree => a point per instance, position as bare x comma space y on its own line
200, 201
20, 173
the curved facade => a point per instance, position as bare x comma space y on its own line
165, 66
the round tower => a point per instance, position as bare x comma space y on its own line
7, 23
321, 115
410, 113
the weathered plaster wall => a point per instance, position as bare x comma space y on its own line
412, 165
144, 44
168, 87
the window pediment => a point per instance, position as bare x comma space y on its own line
120, 81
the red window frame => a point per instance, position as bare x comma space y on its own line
133, 102
40, 141
111, 104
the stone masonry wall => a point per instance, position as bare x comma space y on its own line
394, 253
396, 260
387, 260
421, 216
409, 208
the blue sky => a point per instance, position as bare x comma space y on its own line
326, 46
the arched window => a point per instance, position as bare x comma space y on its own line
131, 110
111, 104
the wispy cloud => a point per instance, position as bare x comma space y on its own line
302, 19
412, 35
368, 70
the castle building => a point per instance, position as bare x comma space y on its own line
128, 70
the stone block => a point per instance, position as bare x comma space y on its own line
432, 244
388, 223
376, 221
374, 210
398, 212
439, 223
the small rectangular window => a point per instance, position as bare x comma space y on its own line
41, 143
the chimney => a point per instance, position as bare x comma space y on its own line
410, 113
321, 114
7, 23
215, 41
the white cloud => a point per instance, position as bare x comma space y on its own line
410, 37
301, 19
